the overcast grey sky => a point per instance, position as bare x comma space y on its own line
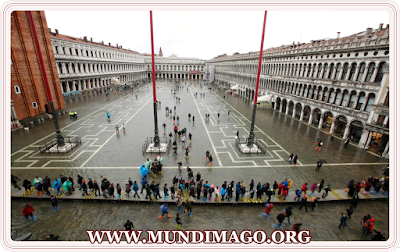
207, 34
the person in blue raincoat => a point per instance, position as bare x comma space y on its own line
164, 210
144, 182
144, 171
57, 185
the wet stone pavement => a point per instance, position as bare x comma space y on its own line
73, 219
117, 157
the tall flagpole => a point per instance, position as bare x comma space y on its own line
156, 137
253, 118
60, 138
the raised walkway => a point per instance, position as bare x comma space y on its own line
334, 195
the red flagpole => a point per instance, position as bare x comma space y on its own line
259, 61
152, 58
156, 137
250, 140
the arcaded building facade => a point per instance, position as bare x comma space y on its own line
87, 66
176, 68
339, 85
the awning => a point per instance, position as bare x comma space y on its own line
235, 87
265, 98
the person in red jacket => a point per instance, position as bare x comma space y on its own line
304, 188
28, 211
268, 208
284, 193
280, 189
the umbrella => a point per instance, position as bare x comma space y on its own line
143, 170
323, 161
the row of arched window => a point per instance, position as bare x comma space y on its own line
94, 53
341, 97
64, 67
177, 67
353, 71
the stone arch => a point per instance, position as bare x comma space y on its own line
340, 125
278, 103
284, 106
355, 131
306, 113
291, 107
298, 108
316, 116
327, 120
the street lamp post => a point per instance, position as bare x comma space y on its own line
250, 140
60, 138
156, 137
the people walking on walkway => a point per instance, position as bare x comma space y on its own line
144, 182
135, 189
127, 189
313, 188
84, 188
46, 185
111, 190
297, 195
166, 192
119, 190
14, 181
27, 185
321, 185
327, 190
38, 183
